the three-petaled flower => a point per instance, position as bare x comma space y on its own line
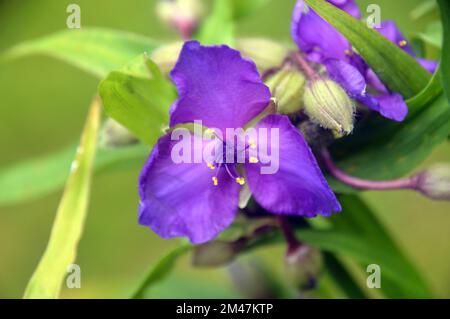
199, 200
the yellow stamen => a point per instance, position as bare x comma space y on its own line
253, 160
252, 143
240, 180
211, 166
403, 43
215, 181
210, 131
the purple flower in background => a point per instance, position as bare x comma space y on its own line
199, 200
322, 43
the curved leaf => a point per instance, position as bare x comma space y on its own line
161, 270
69, 221
94, 50
445, 14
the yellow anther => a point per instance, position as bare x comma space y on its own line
251, 143
403, 43
240, 180
210, 131
253, 160
211, 166
348, 52
215, 181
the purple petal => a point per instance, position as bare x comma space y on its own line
313, 34
216, 85
428, 65
393, 106
298, 186
348, 6
181, 200
347, 76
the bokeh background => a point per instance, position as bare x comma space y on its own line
43, 104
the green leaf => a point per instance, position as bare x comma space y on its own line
68, 225
242, 9
218, 28
398, 70
433, 34
380, 150
51, 170
138, 97
426, 7
161, 270
357, 219
94, 50
445, 14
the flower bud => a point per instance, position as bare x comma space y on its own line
265, 53
327, 104
287, 86
434, 182
113, 134
303, 266
215, 253
182, 14
166, 56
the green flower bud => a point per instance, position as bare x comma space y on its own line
327, 104
114, 134
267, 54
303, 266
215, 253
166, 56
287, 86
434, 182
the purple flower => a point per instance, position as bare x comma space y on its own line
199, 200
322, 43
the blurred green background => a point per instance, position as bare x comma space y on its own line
43, 106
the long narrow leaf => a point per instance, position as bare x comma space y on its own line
94, 50
445, 14
68, 225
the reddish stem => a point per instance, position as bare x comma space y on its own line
355, 182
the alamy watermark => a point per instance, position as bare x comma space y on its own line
234, 146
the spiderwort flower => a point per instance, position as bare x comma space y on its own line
199, 200
323, 44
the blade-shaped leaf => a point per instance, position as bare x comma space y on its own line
68, 225
358, 219
94, 50
17, 182
161, 270
398, 70
432, 34
138, 97
445, 14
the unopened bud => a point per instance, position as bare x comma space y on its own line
287, 86
166, 56
113, 134
303, 266
328, 105
266, 54
434, 182
182, 14
215, 253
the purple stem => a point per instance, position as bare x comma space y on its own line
304, 66
355, 182
292, 241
